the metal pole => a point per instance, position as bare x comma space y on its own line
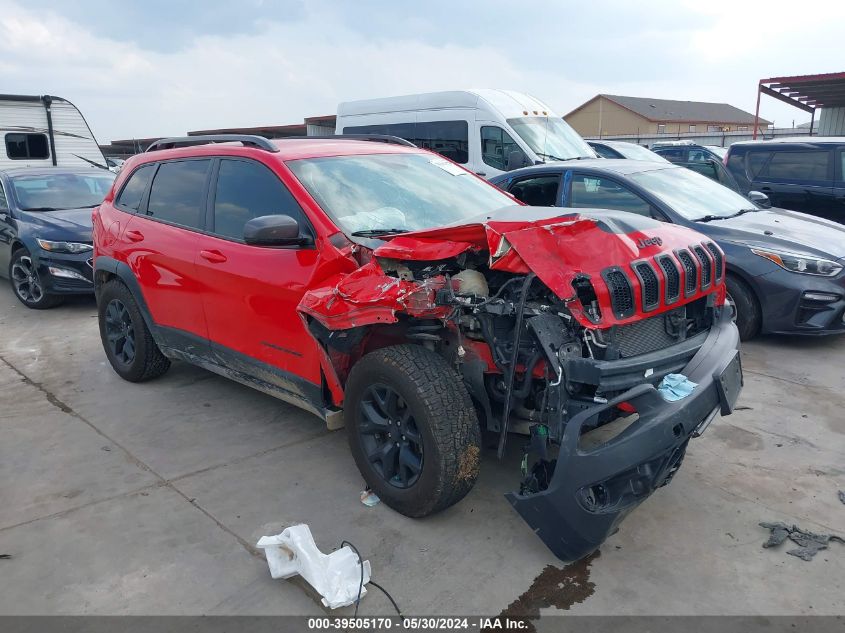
756, 114
812, 120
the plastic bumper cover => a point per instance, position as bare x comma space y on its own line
592, 490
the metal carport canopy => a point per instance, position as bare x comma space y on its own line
807, 92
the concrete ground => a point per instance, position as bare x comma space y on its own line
117, 498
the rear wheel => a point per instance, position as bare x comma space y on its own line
127, 340
412, 429
746, 310
27, 284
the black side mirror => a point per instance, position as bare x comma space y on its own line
516, 160
760, 199
274, 230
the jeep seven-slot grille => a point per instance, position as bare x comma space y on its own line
689, 272
706, 267
621, 297
650, 285
717, 257
673, 278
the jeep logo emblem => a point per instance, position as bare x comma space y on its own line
645, 242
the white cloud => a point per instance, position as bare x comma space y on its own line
282, 72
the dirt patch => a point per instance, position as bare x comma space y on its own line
738, 438
554, 587
468, 464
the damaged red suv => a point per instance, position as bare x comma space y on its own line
384, 288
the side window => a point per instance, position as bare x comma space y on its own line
133, 191
755, 162
447, 138
23, 146
247, 190
841, 154
698, 156
604, 151
178, 192
674, 154
4, 204
496, 146
539, 191
798, 166
595, 192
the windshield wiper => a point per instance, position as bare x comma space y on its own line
710, 217
378, 232
741, 211
42, 209
553, 157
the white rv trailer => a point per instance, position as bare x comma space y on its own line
39, 131
488, 131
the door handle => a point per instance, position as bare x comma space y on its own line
135, 236
215, 257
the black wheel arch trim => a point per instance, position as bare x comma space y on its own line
122, 271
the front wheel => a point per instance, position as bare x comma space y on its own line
746, 311
412, 429
27, 284
127, 340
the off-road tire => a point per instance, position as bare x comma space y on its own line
444, 416
46, 301
748, 315
148, 361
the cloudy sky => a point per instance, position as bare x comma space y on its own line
162, 67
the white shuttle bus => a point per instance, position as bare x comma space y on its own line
487, 131
40, 131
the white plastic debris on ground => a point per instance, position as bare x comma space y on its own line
335, 576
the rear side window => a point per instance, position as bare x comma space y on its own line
247, 190
675, 154
447, 138
593, 192
135, 188
23, 146
540, 191
797, 166
178, 192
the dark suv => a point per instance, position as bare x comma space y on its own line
385, 288
803, 174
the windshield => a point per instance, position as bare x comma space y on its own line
551, 138
53, 192
638, 152
692, 195
405, 192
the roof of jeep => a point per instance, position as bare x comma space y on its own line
289, 149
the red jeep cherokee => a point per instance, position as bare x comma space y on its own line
383, 287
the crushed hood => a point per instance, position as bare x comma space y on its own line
518, 240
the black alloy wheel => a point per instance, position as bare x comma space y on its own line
389, 436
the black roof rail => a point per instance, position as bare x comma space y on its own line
380, 138
249, 140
